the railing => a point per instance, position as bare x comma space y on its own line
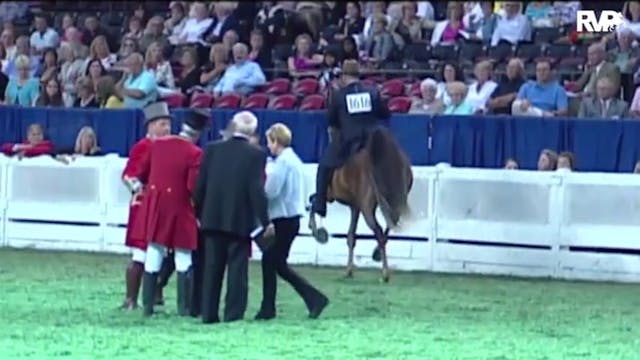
525, 223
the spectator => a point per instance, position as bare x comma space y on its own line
427, 103
4, 82
223, 21
49, 66
161, 70
72, 36
23, 89
539, 12
86, 145
378, 8
51, 94
636, 168
189, 78
483, 28
92, 30
597, 66
43, 37
259, 53
508, 87
198, 22
22, 48
106, 95
457, 93
604, 105
35, 145
213, 72
243, 76
380, 46
566, 160
13, 10
450, 72
543, 97
95, 71
352, 23
174, 25
513, 27
304, 63
564, 12
140, 12
330, 70
332, 12
511, 164
548, 160
134, 30
446, 32
3, 58
409, 27
7, 38
349, 50
272, 21
481, 90
138, 87
128, 46
99, 50
68, 22
631, 12
86, 94
624, 55
229, 39
70, 71
154, 34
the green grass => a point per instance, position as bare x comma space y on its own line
64, 305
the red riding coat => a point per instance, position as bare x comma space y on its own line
170, 171
136, 154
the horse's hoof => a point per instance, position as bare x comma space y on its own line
384, 279
348, 274
322, 236
376, 256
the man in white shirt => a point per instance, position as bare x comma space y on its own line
44, 37
243, 76
199, 21
513, 27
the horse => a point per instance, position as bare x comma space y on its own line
378, 175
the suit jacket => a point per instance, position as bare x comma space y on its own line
587, 82
230, 23
229, 196
592, 108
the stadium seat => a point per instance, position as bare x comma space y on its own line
368, 82
501, 52
527, 51
283, 102
417, 52
558, 52
176, 100
377, 79
278, 86
391, 88
546, 35
414, 90
306, 87
312, 102
470, 52
444, 52
228, 101
400, 104
256, 101
201, 100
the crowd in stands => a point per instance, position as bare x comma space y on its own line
458, 58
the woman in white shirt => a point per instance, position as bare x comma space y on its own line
198, 22
481, 89
161, 69
450, 73
285, 191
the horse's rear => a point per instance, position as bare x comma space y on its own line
377, 176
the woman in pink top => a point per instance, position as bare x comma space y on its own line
304, 63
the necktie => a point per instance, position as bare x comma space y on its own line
604, 109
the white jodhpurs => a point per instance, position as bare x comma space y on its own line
155, 256
138, 255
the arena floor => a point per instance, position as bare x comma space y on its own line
64, 305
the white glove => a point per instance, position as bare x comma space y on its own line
136, 186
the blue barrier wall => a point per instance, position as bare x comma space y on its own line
612, 145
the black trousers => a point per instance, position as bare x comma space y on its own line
274, 261
324, 175
197, 259
225, 252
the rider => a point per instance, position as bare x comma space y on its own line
354, 110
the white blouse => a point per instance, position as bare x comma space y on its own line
478, 98
193, 29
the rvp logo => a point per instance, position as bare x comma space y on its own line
608, 22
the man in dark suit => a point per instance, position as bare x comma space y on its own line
230, 202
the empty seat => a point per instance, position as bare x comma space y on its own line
400, 104
470, 52
283, 102
228, 101
527, 51
546, 35
256, 101
414, 90
278, 86
312, 102
201, 100
501, 52
306, 87
445, 52
559, 51
392, 88
176, 100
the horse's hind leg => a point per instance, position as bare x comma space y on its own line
351, 239
381, 237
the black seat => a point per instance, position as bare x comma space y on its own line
546, 35
470, 52
529, 51
501, 52
559, 51
417, 52
445, 52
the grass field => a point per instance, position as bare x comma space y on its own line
64, 305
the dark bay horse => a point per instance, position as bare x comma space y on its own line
379, 175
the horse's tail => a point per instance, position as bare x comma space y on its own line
391, 175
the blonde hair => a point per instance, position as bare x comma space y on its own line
456, 87
280, 134
92, 48
22, 61
86, 130
147, 54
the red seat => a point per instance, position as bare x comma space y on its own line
228, 101
400, 104
391, 88
256, 101
375, 78
201, 100
283, 102
306, 87
312, 102
368, 82
414, 90
278, 86
176, 100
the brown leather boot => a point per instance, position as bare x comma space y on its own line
133, 279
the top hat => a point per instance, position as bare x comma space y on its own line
156, 111
197, 120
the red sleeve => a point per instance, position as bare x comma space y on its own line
7, 149
43, 148
194, 167
135, 158
141, 171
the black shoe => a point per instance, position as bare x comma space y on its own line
316, 310
265, 315
149, 283
184, 293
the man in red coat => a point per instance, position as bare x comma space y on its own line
158, 122
169, 171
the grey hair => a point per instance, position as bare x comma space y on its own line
428, 83
245, 123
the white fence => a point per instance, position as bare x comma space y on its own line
556, 224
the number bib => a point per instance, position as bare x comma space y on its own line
359, 103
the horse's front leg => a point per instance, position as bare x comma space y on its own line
382, 245
351, 240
